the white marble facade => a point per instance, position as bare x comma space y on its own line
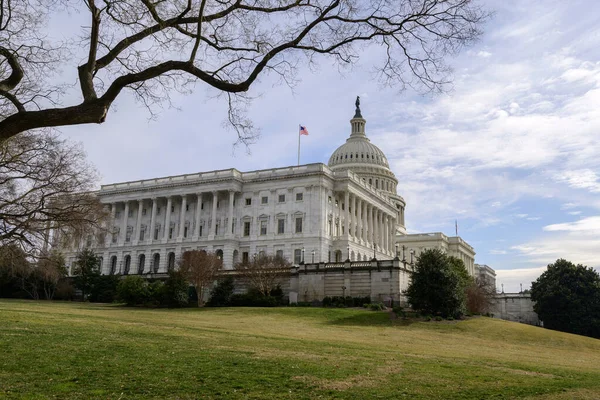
348, 209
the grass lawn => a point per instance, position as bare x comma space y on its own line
71, 350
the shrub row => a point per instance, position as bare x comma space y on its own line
223, 295
134, 290
348, 301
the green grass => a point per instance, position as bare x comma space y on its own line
69, 350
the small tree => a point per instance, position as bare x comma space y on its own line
200, 268
175, 290
87, 269
567, 298
264, 272
437, 285
220, 295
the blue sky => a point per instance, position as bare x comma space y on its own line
511, 152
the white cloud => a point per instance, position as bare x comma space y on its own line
589, 224
513, 278
498, 252
484, 54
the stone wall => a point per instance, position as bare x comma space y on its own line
516, 307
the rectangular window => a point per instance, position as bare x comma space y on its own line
218, 203
279, 254
299, 196
282, 198
329, 199
246, 228
202, 206
299, 225
245, 257
128, 234
172, 208
248, 201
158, 211
263, 227
185, 229
297, 256
187, 207
143, 211
200, 234
170, 233
130, 213
216, 229
281, 226
264, 200
118, 214
156, 233
142, 234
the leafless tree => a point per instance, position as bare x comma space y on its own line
50, 270
264, 272
152, 47
480, 296
45, 185
200, 268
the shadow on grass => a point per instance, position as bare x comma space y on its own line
371, 318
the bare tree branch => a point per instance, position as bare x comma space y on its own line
154, 47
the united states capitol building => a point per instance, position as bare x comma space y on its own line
347, 209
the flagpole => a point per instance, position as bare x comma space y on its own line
298, 144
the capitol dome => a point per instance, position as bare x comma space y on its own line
362, 157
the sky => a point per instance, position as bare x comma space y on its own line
511, 152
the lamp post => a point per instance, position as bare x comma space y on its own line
313, 256
348, 247
374, 249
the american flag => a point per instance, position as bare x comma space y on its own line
303, 130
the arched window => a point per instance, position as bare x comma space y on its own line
156, 262
338, 256
113, 265
171, 261
127, 264
370, 181
219, 254
377, 183
141, 264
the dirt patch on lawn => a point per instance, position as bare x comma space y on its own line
363, 380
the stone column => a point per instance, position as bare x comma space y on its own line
138, 222
359, 223
150, 237
167, 219
387, 233
213, 223
369, 211
354, 215
110, 224
347, 213
228, 231
182, 216
124, 223
197, 218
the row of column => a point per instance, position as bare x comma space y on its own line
167, 220
367, 223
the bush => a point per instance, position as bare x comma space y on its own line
104, 289
438, 318
175, 291
133, 290
65, 290
251, 300
221, 294
399, 311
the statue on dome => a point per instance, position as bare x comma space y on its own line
357, 114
